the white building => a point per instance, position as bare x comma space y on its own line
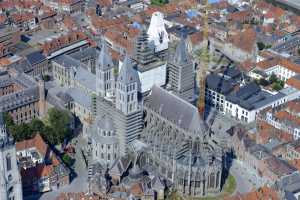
243, 102
282, 68
158, 35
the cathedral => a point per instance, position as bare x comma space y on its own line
10, 179
131, 110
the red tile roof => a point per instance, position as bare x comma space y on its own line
244, 40
63, 41
259, 194
36, 142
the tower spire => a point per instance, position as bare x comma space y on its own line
128, 86
105, 73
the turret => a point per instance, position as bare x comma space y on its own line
105, 78
128, 87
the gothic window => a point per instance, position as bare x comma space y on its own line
11, 190
212, 180
108, 156
9, 177
217, 179
8, 162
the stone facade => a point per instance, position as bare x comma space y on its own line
10, 180
24, 100
104, 141
176, 136
181, 73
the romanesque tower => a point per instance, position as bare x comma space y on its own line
129, 109
10, 180
143, 53
181, 74
105, 81
127, 90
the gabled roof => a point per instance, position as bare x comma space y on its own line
35, 58
174, 109
36, 142
104, 61
219, 84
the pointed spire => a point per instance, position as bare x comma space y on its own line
127, 73
3, 133
104, 58
181, 56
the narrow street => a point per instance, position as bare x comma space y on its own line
246, 179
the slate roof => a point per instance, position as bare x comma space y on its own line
106, 123
67, 61
35, 58
291, 183
174, 109
181, 56
219, 84
251, 97
104, 61
88, 52
127, 73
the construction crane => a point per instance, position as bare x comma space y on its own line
204, 58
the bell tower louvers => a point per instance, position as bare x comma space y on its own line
129, 114
105, 78
128, 87
181, 76
10, 180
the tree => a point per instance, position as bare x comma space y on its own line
273, 78
59, 123
54, 132
277, 86
21, 132
36, 125
260, 46
159, 2
67, 160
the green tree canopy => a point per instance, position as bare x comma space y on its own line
55, 130
59, 123
159, 2
260, 46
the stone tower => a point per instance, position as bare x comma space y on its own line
128, 88
105, 142
143, 53
181, 73
10, 180
105, 78
126, 110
